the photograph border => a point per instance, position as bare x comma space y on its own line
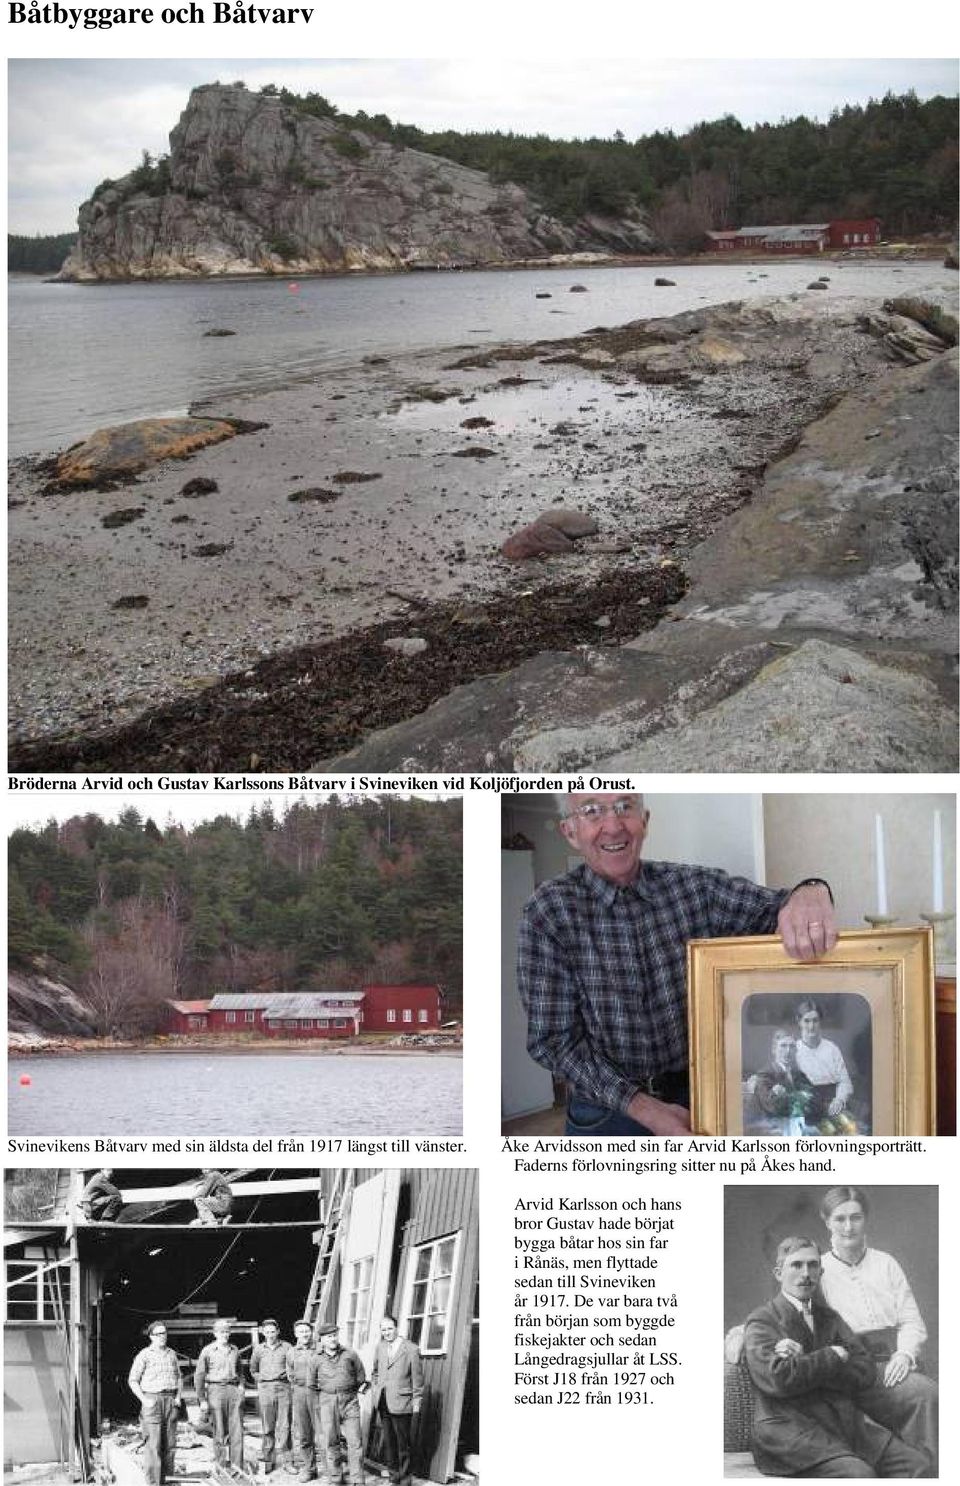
907, 953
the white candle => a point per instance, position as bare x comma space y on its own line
937, 862
881, 870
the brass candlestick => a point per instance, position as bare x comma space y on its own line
938, 922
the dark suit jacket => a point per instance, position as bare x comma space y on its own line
789, 1079
805, 1408
400, 1381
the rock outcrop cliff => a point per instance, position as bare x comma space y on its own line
254, 185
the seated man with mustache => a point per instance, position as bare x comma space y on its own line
809, 1370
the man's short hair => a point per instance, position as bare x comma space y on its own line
806, 1006
392, 1320
791, 1245
221, 1324
270, 1322
157, 1326
837, 1196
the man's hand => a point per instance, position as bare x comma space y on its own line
806, 923
899, 1367
834, 1107
841, 1352
659, 1118
415, 1408
204, 1408
787, 1347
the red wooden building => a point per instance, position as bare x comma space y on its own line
801, 237
414, 1008
376, 1008
853, 232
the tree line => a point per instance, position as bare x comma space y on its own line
894, 158
326, 896
38, 254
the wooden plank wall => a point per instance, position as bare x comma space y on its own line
445, 1202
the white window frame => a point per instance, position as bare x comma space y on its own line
433, 1244
407, 1014
230, 1016
249, 1016
38, 1274
306, 1021
391, 1014
359, 1297
197, 1023
423, 1015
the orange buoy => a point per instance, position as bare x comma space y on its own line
25, 1080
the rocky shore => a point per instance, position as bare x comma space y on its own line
770, 490
60, 1047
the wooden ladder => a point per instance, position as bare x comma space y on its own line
329, 1244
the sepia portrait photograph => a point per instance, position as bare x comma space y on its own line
781, 1049
831, 1339
808, 1064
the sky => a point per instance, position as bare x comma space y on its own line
72, 123
186, 808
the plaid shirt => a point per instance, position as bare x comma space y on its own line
156, 1370
602, 969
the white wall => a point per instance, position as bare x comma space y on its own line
832, 836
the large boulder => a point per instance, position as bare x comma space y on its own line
123, 451
571, 523
537, 539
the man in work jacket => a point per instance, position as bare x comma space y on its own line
302, 1364
340, 1378
219, 1383
268, 1368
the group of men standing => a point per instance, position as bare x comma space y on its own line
308, 1395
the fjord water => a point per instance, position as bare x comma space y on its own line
82, 356
164, 1093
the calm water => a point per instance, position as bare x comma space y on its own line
154, 1094
82, 356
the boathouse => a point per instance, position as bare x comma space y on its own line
375, 1008
802, 237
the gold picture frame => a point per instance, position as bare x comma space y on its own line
874, 994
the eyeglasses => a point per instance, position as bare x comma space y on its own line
619, 808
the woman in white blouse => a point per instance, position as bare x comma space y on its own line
870, 1291
821, 1061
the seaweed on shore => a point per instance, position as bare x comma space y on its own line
296, 708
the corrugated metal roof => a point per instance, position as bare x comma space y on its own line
317, 1003
784, 230
285, 1003
801, 232
189, 1006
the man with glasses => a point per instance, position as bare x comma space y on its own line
602, 964
155, 1379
